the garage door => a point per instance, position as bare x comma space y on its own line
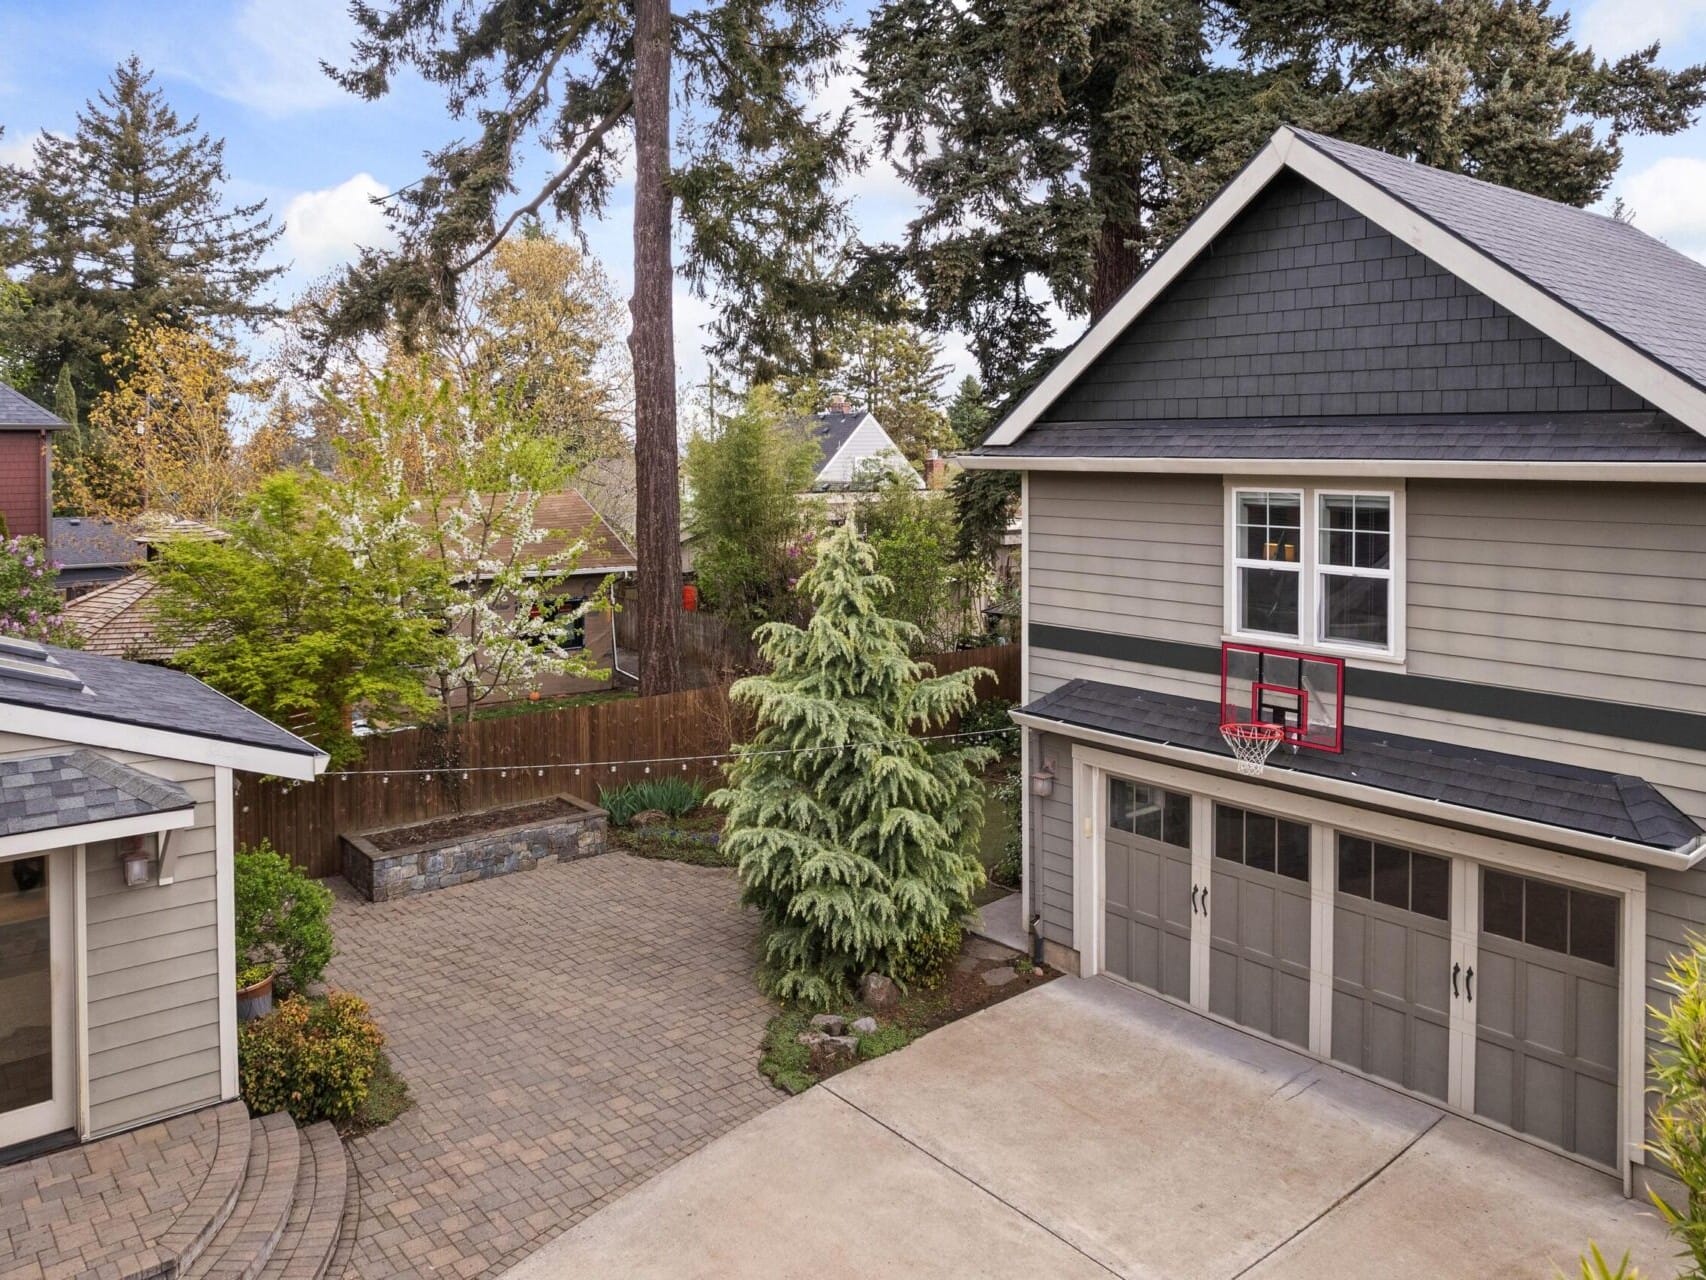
1545, 1001
1259, 923
1392, 963
1148, 923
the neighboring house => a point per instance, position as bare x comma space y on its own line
570, 518
117, 620
1373, 431
94, 550
117, 965
852, 441
26, 466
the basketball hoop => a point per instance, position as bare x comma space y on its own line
1252, 743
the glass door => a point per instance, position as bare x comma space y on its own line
37, 1077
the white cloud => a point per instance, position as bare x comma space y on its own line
1616, 27
324, 229
18, 148
1668, 200
268, 57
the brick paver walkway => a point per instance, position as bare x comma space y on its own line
566, 1033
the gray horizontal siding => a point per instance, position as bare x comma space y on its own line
1301, 307
1053, 896
153, 973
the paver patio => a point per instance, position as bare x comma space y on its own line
566, 1033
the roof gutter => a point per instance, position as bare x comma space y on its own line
1422, 469
1680, 859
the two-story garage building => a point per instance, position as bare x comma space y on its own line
1407, 471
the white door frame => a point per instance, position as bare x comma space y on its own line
1468, 851
61, 1111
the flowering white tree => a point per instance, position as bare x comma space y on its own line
456, 479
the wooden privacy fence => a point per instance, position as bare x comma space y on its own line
402, 777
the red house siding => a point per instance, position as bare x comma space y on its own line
24, 492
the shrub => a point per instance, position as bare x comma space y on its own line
312, 1058
1679, 1114
923, 961
992, 721
671, 795
282, 918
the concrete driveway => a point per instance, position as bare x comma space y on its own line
1087, 1130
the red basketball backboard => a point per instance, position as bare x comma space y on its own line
1304, 693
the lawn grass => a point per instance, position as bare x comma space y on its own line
387, 1098
786, 1061
522, 707
692, 838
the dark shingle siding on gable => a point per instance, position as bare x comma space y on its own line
1303, 308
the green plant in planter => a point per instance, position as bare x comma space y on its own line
283, 924
250, 974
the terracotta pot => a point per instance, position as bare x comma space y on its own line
255, 1001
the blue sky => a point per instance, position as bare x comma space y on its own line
250, 70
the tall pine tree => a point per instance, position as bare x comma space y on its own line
855, 840
751, 164
124, 223
1064, 142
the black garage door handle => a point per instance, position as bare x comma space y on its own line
1469, 984
1455, 970
1194, 891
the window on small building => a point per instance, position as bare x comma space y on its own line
1319, 567
1261, 841
1151, 812
565, 620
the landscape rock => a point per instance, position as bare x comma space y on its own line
878, 991
864, 1026
832, 1044
998, 977
829, 1023
648, 818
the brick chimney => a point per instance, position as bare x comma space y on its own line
935, 470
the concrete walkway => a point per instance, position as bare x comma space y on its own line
1087, 1130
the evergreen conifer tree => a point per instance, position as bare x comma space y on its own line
855, 839
124, 223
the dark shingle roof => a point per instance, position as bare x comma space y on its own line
1639, 288
1583, 437
91, 542
1615, 806
68, 788
19, 413
831, 432
148, 697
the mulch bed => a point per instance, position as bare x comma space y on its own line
471, 824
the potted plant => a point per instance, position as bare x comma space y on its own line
254, 992
283, 932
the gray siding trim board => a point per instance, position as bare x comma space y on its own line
1657, 725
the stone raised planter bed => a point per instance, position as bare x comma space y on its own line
397, 861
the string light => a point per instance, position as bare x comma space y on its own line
683, 761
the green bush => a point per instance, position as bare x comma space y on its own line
991, 718
282, 918
671, 795
924, 961
312, 1058
1679, 1112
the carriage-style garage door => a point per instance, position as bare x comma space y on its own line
1545, 1000
1259, 923
1149, 900
1391, 964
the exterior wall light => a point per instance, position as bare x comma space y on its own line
136, 856
1042, 781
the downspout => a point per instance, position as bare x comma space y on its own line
616, 653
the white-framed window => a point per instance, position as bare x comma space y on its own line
1318, 566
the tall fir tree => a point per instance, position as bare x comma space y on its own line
125, 223
1067, 141
984, 501
855, 839
751, 164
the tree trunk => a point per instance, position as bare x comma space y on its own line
1117, 264
657, 499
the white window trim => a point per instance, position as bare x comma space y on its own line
1310, 597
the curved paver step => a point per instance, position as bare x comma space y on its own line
244, 1244
350, 1219
317, 1207
176, 1250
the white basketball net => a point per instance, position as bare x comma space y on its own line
1252, 744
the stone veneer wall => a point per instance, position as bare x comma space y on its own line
381, 874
